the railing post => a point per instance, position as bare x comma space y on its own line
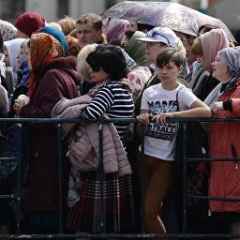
60, 176
19, 192
184, 178
142, 177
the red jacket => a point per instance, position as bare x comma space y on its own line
58, 80
224, 142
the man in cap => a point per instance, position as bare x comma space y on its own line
156, 40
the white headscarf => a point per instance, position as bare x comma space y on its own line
13, 49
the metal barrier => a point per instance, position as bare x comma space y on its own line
100, 234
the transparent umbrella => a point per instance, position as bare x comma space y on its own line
173, 15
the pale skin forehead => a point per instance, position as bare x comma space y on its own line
87, 26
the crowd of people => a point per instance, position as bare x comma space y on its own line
94, 68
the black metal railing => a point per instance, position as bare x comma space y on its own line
100, 228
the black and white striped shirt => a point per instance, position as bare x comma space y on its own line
114, 100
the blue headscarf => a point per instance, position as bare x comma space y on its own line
57, 35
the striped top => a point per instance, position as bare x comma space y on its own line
114, 100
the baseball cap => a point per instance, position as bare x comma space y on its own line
161, 35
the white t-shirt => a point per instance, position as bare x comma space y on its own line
159, 140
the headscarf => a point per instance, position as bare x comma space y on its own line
58, 35
41, 47
230, 57
137, 79
13, 49
7, 30
212, 42
23, 54
115, 30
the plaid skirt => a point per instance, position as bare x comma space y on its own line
106, 206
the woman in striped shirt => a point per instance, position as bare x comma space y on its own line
107, 69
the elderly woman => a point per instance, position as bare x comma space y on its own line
224, 101
205, 48
53, 76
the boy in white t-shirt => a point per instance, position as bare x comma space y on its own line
159, 102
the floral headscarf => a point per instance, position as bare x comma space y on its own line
23, 53
42, 46
7, 30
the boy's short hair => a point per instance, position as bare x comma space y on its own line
110, 59
91, 19
168, 55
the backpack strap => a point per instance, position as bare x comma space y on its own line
177, 99
178, 109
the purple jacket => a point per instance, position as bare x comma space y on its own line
58, 80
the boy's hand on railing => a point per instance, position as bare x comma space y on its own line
162, 117
216, 106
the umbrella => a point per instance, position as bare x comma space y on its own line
169, 14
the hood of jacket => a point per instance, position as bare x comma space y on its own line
67, 64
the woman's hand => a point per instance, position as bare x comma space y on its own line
162, 117
21, 101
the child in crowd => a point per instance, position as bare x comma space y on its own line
164, 100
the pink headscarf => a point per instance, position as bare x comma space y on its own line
212, 42
115, 30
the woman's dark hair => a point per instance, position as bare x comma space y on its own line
170, 55
111, 59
